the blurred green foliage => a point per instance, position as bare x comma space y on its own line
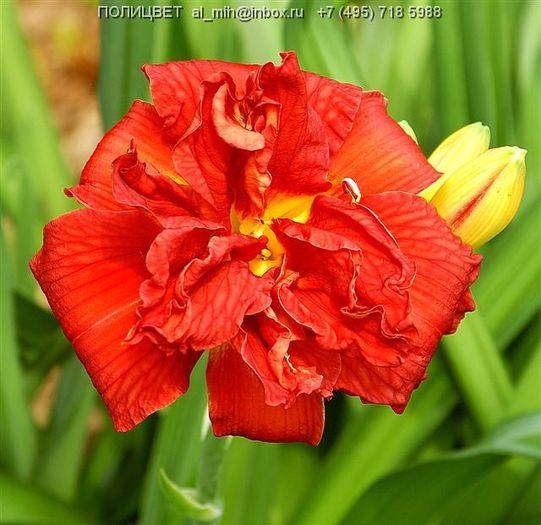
466, 450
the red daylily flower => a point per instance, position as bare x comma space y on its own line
226, 217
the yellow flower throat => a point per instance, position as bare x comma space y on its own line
294, 208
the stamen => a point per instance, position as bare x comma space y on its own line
349, 186
287, 357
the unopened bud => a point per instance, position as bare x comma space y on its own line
457, 149
479, 199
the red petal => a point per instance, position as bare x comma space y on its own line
237, 404
318, 291
205, 160
136, 184
264, 346
197, 300
386, 273
439, 296
379, 155
382, 385
175, 88
90, 268
307, 354
142, 125
227, 126
336, 103
385, 342
301, 154
446, 267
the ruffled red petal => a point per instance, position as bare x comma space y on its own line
300, 157
141, 125
379, 155
386, 274
269, 143
90, 268
201, 288
139, 185
336, 104
237, 404
307, 354
317, 290
378, 287
382, 385
176, 89
439, 295
446, 267
264, 345
205, 160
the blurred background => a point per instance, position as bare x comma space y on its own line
467, 450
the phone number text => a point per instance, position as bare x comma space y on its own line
369, 13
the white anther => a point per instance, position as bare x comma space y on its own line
350, 187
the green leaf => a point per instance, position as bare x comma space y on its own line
114, 471
186, 501
526, 396
125, 47
332, 55
410, 56
61, 456
479, 370
41, 341
527, 510
419, 494
168, 42
267, 33
247, 499
176, 448
509, 308
449, 69
521, 436
478, 505
17, 432
27, 228
32, 130
511, 478
501, 25
356, 461
423, 493
202, 504
216, 40
113, 70
478, 65
298, 466
22, 504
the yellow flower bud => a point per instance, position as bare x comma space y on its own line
479, 199
456, 150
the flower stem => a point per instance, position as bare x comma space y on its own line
210, 467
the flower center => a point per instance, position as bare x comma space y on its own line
271, 255
294, 208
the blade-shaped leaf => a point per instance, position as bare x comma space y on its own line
64, 445
423, 493
24, 505
17, 433
186, 501
176, 447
